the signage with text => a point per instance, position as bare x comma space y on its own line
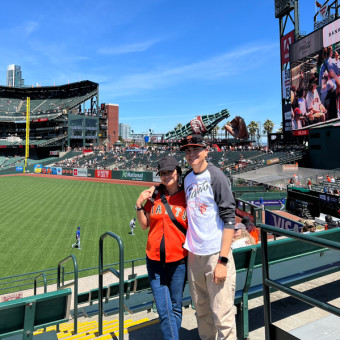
282, 222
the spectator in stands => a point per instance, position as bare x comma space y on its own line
241, 237
165, 255
251, 228
309, 183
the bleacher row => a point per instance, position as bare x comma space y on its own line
147, 161
16, 108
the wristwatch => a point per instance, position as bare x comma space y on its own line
223, 260
138, 209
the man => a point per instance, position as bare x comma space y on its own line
262, 203
282, 202
132, 226
77, 244
211, 223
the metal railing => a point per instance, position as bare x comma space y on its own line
18, 282
120, 276
270, 329
74, 282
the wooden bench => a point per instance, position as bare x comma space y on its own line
24, 316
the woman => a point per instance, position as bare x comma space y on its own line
165, 255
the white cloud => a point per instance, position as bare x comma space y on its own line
227, 65
29, 27
129, 48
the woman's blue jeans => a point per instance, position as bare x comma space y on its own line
167, 283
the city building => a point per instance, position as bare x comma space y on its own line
125, 131
14, 76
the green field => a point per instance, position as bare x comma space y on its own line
39, 218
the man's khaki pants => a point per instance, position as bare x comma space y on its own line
214, 303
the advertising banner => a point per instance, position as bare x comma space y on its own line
80, 172
286, 41
19, 169
155, 178
301, 133
304, 47
281, 222
331, 33
12, 296
102, 174
46, 170
273, 161
290, 167
67, 172
266, 202
133, 175
286, 84
57, 171
37, 168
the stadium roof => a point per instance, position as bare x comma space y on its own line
47, 101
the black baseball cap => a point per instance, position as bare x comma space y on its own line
193, 140
169, 163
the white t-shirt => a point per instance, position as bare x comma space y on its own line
210, 209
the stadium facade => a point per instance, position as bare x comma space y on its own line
58, 119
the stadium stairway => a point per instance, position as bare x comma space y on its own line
89, 329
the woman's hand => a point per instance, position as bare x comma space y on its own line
144, 195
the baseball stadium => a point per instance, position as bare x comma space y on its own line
73, 267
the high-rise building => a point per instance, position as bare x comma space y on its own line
14, 76
125, 131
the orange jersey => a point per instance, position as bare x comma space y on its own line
161, 224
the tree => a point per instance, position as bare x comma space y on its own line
268, 126
214, 131
178, 126
253, 128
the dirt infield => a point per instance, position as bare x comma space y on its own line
91, 179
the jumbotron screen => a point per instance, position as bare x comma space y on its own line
315, 82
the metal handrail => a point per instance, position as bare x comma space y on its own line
35, 283
119, 274
268, 283
54, 278
75, 282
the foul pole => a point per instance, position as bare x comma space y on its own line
27, 150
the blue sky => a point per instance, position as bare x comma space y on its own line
163, 61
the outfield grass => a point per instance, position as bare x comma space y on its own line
39, 218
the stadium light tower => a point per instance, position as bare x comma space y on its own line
283, 9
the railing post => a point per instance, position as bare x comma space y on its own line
35, 283
119, 274
266, 295
75, 282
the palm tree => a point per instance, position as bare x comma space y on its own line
214, 131
268, 126
178, 126
253, 128
223, 128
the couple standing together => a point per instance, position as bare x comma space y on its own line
190, 235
